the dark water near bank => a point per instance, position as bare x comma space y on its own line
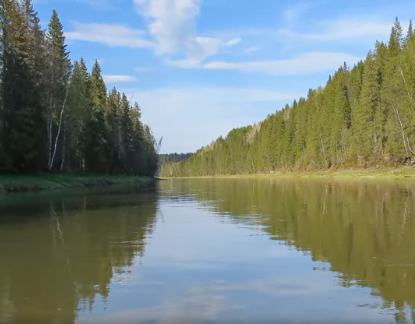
211, 251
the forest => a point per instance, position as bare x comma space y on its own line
174, 157
363, 117
57, 116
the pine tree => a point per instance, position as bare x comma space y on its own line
410, 33
96, 135
114, 130
51, 119
77, 113
38, 68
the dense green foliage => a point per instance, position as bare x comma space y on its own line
174, 157
54, 114
363, 116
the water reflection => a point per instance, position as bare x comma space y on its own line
211, 251
59, 255
365, 231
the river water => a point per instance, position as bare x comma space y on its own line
210, 251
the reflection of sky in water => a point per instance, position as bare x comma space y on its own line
199, 268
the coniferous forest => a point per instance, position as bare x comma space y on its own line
364, 116
55, 115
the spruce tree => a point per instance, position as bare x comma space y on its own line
96, 133
410, 33
364, 113
77, 114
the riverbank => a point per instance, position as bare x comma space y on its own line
350, 173
22, 183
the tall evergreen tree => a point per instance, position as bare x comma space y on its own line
52, 119
95, 127
364, 113
363, 116
20, 97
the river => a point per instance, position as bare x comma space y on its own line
211, 251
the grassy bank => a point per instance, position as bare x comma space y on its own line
20, 183
350, 173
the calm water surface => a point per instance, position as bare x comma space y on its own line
211, 251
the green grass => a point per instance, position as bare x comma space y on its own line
22, 182
407, 172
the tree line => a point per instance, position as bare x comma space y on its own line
55, 115
364, 116
174, 157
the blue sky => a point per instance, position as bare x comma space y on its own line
199, 68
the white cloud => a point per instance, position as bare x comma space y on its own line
342, 29
305, 64
171, 31
251, 49
119, 78
97, 4
109, 34
233, 41
208, 47
188, 63
172, 23
190, 117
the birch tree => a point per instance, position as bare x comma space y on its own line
59, 75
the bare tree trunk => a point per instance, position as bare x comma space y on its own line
407, 90
63, 149
50, 135
59, 129
406, 143
323, 151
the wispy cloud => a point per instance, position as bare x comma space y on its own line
109, 34
188, 63
343, 29
232, 41
97, 4
210, 47
252, 49
338, 29
119, 78
305, 64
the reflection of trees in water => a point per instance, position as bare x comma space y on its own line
54, 263
364, 230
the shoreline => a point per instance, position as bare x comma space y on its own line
402, 173
19, 183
